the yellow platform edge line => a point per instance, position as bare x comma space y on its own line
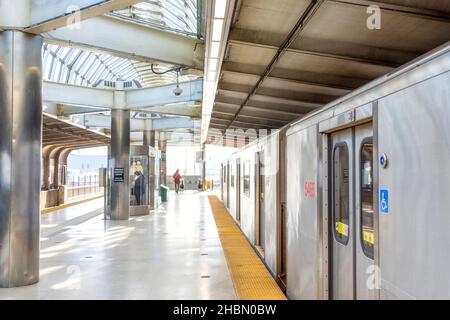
69, 204
251, 279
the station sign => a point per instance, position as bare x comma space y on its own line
119, 175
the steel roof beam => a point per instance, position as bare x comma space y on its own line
175, 123
404, 9
155, 99
119, 38
324, 54
258, 120
188, 110
259, 114
77, 95
142, 98
48, 15
302, 106
218, 114
337, 88
103, 121
78, 145
78, 136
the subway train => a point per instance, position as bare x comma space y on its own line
352, 201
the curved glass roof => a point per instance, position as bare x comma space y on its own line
178, 16
81, 67
86, 68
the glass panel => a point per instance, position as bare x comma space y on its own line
247, 178
262, 179
139, 171
178, 16
367, 220
341, 193
157, 176
232, 175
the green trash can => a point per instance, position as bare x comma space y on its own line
164, 193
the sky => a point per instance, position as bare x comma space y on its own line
98, 151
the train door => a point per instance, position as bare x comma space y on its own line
260, 192
228, 185
224, 183
222, 177
352, 223
238, 189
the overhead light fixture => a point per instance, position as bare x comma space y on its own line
210, 87
213, 64
215, 48
220, 7
178, 91
213, 61
211, 76
217, 30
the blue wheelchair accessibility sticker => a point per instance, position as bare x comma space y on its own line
384, 201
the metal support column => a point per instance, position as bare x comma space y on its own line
203, 166
163, 146
150, 140
120, 166
20, 157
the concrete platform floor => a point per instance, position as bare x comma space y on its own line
69, 217
173, 253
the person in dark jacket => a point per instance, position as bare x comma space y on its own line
139, 187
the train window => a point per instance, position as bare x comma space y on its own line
232, 175
366, 194
341, 193
247, 178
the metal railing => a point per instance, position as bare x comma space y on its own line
83, 186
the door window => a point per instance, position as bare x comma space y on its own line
246, 175
232, 175
341, 194
366, 192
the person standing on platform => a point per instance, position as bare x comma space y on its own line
139, 187
177, 180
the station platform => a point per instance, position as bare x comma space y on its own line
187, 249
173, 253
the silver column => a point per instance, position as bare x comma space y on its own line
203, 165
20, 157
162, 145
150, 140
120, 159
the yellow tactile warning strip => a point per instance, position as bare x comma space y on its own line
65, 205
252, 280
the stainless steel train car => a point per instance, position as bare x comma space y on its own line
251, 184
352, 201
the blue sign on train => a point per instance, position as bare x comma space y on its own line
384, 201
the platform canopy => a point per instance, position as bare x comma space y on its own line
61, 133
89, 45
283, 59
